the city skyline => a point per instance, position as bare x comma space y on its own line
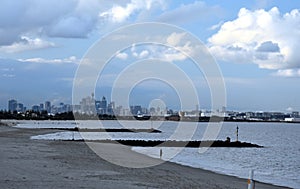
91, 108
89, 104
92, 105
253, 42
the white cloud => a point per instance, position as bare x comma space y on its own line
26, 44
120, 13
122, 56
175, 38
266, 38
144, 54
71, 59
178, 46
171, 54
140, 55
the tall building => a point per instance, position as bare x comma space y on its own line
20, 107
97, 106
102, 107
103, 103
88, 105
61, 108
48, 106
42, 107
111, 108
12, 105
135, 110
35, 108
68, 108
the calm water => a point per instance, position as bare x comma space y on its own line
277, 163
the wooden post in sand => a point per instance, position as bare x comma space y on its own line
251, 183
160, 153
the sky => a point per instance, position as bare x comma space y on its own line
254, 44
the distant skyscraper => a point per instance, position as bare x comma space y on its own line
98, 106
48, 106
103, 105
61, 107
12, 105
135, 110
88, 105
41, 107
35, 108
20, 107
68, 108
111, 108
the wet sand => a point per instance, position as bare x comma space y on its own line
26, 163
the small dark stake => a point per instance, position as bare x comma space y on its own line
237, 133
160, 153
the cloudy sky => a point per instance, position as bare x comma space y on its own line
255, 44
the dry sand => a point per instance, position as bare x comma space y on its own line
26, 163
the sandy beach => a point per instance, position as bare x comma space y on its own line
26, 163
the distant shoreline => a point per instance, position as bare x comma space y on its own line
129, 118
32, 115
